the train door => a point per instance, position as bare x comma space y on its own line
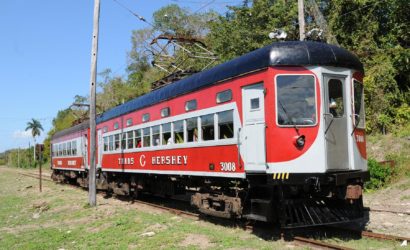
84, 150
252, 136
100, 148
336, 134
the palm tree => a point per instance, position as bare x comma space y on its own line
36, 128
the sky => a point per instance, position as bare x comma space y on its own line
45, 54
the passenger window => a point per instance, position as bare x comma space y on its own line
190, 105
130, 139
116, 125
64, 149
138, 141
165, 112
207, 123
224, 96
166, 134
111, 138
296, 102
105, 143
123, 140
116, 141
145, 117
155, 135
225, 123
336, 107
146, 137
129, 122
179, 132
192, 129
68, 148
74, 148
60, 149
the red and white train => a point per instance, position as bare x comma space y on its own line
274, 135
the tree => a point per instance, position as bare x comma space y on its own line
246, 28
36, 128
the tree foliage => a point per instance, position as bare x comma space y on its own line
376, 31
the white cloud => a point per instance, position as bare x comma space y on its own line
21, 134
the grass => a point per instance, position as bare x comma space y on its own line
394, 147
59, 217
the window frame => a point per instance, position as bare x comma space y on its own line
362, 104
168, 110
191, 101
128, 122
145, 117
276, 101
221, 92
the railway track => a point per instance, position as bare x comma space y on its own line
299, 240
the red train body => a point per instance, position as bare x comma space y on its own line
274, 135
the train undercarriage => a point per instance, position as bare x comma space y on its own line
301, 201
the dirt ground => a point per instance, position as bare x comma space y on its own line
396, 199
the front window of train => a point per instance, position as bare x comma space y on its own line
358, 104
295, 100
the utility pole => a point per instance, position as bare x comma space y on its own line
94, 50
301, 11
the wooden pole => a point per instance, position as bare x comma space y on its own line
301, 15
94, 50
40, 170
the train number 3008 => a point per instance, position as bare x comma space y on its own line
228, 166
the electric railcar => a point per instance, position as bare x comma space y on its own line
275, 135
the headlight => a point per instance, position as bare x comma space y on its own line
300, 141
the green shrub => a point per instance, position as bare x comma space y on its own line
379, 174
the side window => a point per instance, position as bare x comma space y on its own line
295, 100
138, 140
190, 105
145, 117
74, 148
116, 125
336, 107
105, 129
130, 139
111, 143
146, 137
179, 132
116, 141
155, 135
64, 149
225, 123
166, 134
192, 129
69, 148
165, 112
123, 140
129, 122
105, 143
207, 123
224, 96
60, 149
358, 104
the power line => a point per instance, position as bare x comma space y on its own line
133, 13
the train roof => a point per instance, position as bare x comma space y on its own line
291, 53
79, 127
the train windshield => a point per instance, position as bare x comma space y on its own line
296, 102
358, 104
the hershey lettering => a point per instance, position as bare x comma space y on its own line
170, 160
